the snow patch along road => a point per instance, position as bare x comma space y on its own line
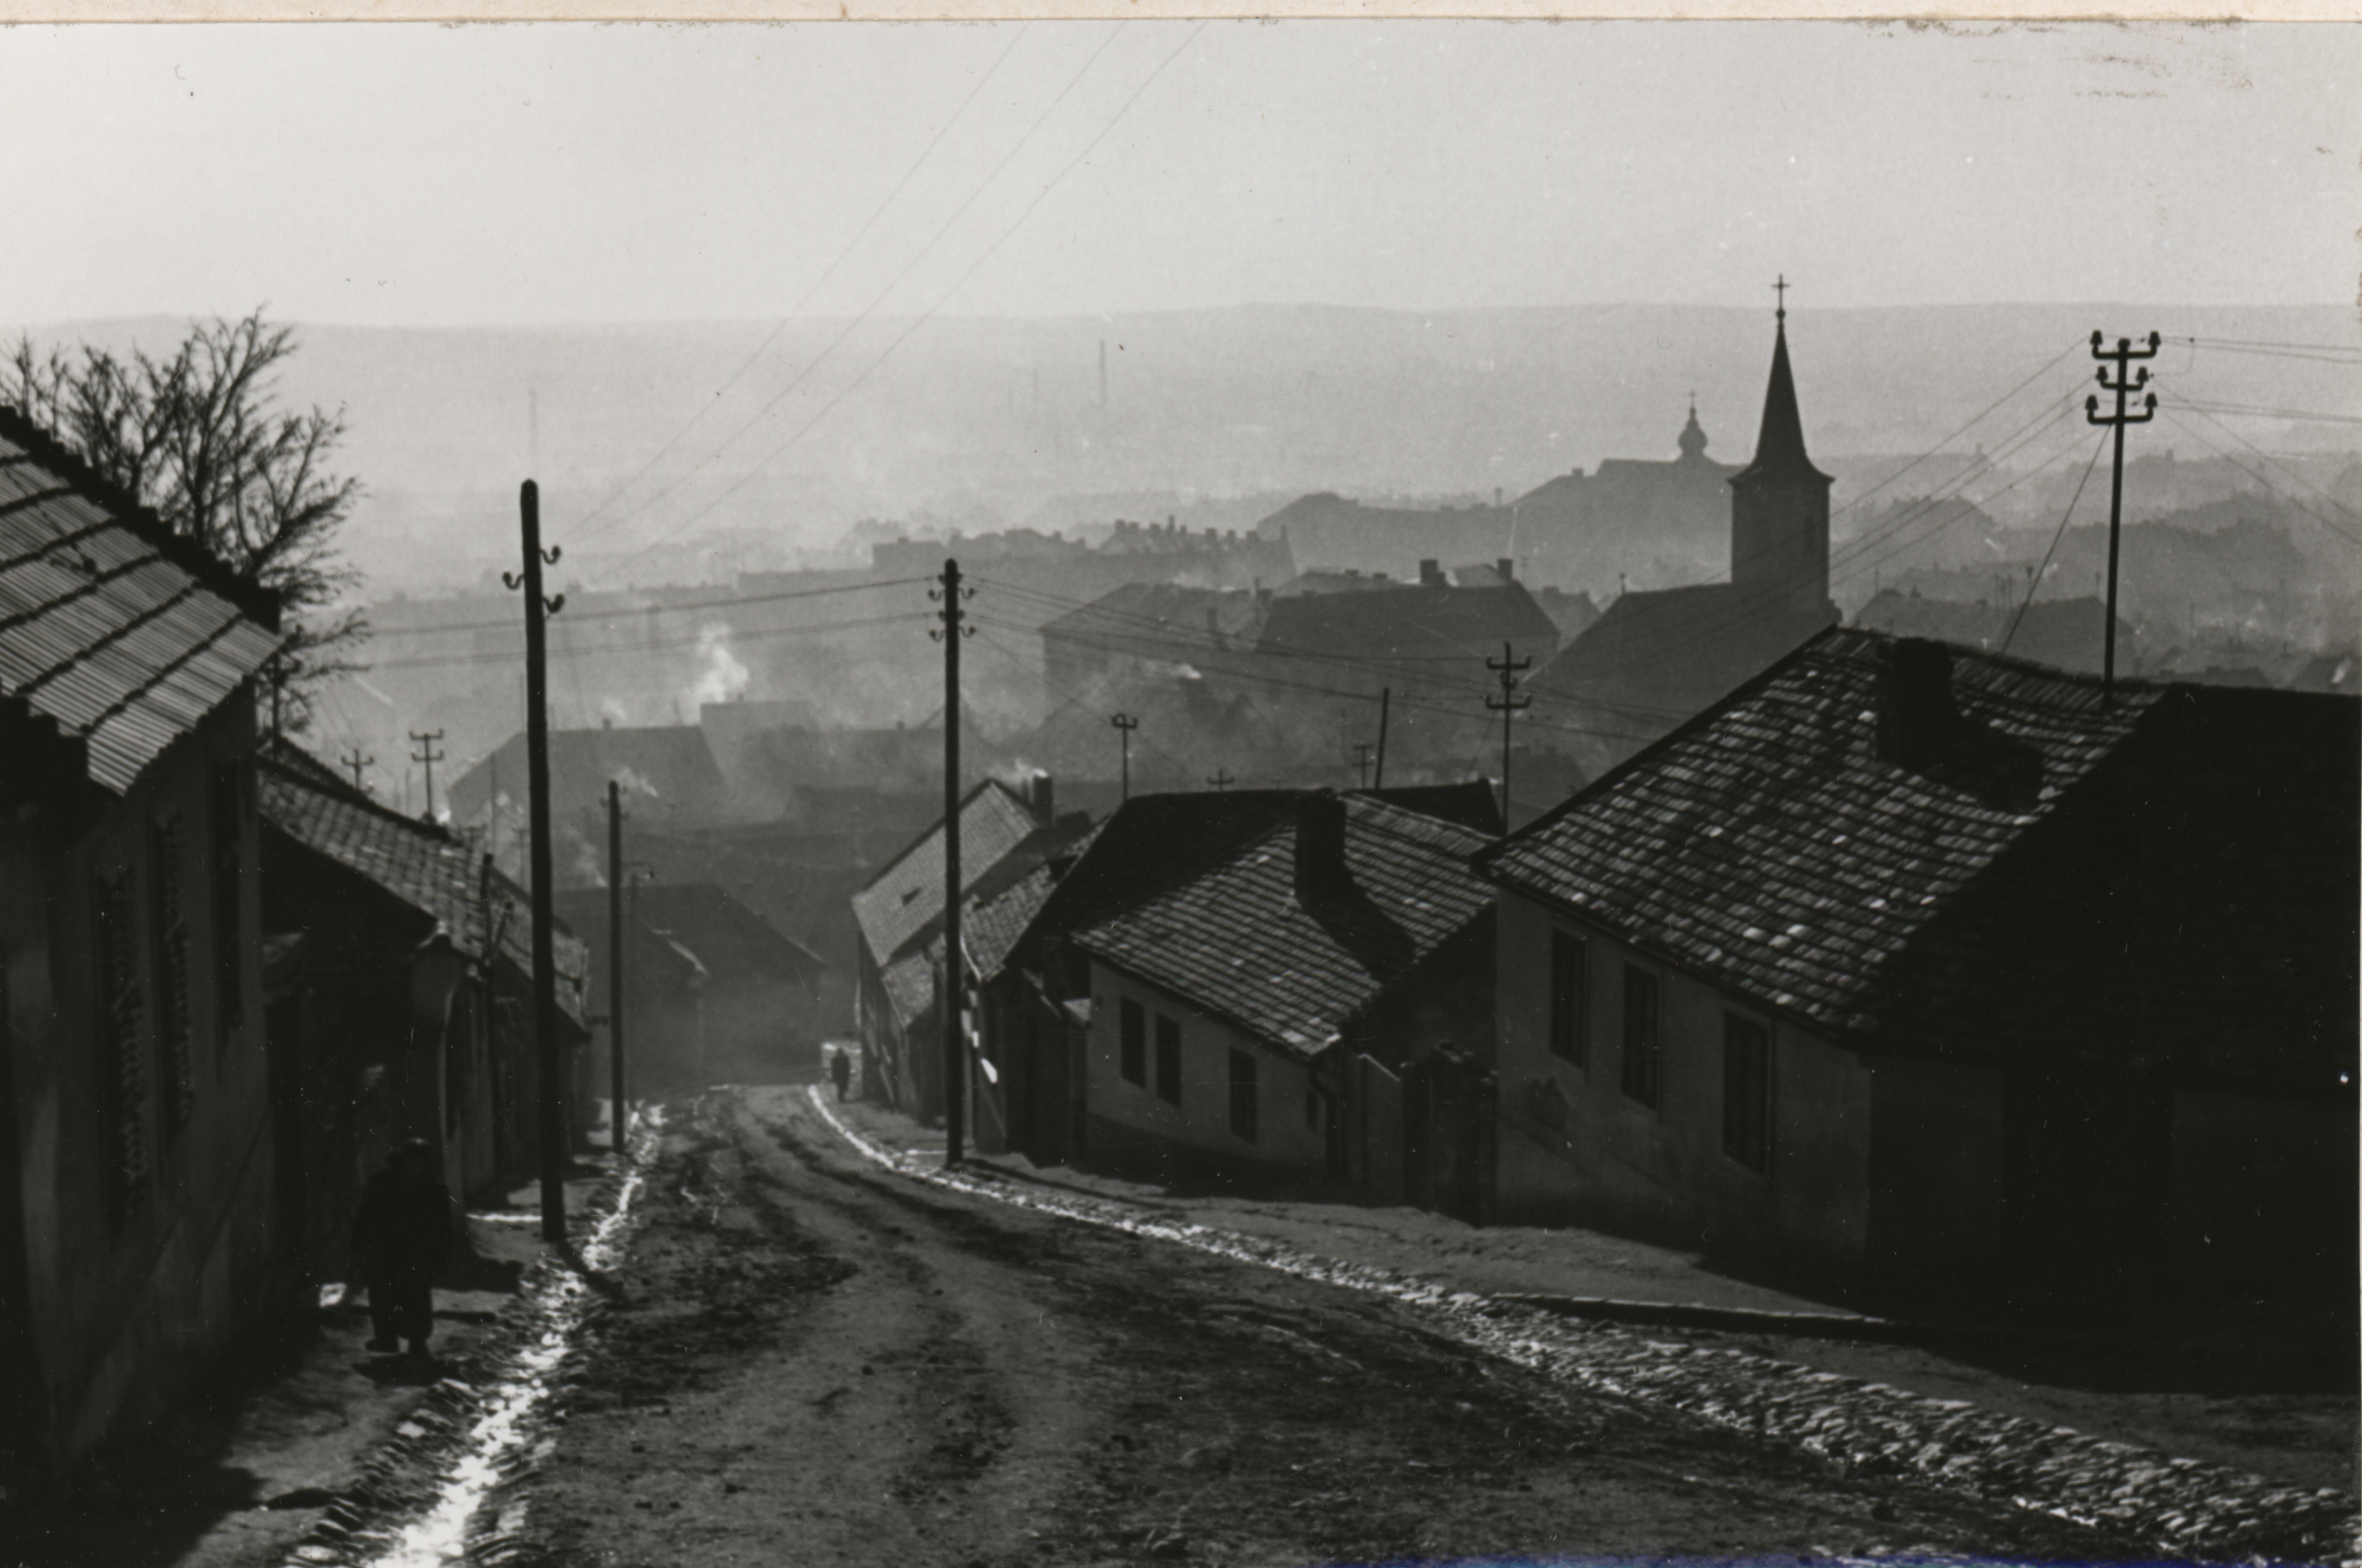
2180, 1508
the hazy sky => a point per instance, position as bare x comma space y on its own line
409, 174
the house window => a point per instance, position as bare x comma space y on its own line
1133, 1026
1168, 1060
227, 846
1242, 1094
1567, 1035
122, 1066
169, 917
1746, 1092
1643, 1047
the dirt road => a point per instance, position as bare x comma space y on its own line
807, 1359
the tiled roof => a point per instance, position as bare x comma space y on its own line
990, 927
1234, 940
1771, 846
111, 626
416, 862
907, 898
424, 868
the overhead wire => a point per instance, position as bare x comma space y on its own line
883, 293
508, 656
2199, 435
2043, 570
584, 529
1400, 701
931, 312
1132, 632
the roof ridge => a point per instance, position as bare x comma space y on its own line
243, 592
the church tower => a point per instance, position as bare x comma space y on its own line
1780, 502
1693, 437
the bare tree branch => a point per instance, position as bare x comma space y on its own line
196, 436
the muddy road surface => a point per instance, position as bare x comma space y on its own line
807, 1359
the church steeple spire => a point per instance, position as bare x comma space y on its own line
1780, 502
1780, 444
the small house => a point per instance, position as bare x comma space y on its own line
1923, 967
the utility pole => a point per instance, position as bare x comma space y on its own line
1125, 723
615, 958
427, 753
1385, 697
1220, 780
2127, 381
554, 1150
1361, 755
1508, 706
950, 594
356, 761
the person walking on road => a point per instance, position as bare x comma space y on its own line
403, 1232
840, 1068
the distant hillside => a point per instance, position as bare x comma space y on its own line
980, 421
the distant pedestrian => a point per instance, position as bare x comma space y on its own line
403, 1232
840, 1068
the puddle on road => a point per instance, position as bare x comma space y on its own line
510, 1419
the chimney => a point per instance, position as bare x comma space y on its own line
1320, 874
1916, 720
1044, 800
1507, 569
1430, 574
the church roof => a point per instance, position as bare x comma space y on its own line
1780, 444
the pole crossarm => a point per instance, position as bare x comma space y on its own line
1221, 778
2124, 356
1125, 723
1507, 667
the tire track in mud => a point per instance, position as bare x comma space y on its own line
2143, 1498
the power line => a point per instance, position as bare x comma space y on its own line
1281, 683
882, 294
1175, 638
931, 312
797, 309
2035, 585
640, 610
431, 661
2200, 438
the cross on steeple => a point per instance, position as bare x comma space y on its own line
1781, 315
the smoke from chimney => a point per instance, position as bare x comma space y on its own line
721, 677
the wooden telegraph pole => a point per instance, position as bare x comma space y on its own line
358, 761
1125, 723
615, 958
2126, 382
1386, 700
426, 755
1507, 705
951, 594
544, 958
1220, 780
